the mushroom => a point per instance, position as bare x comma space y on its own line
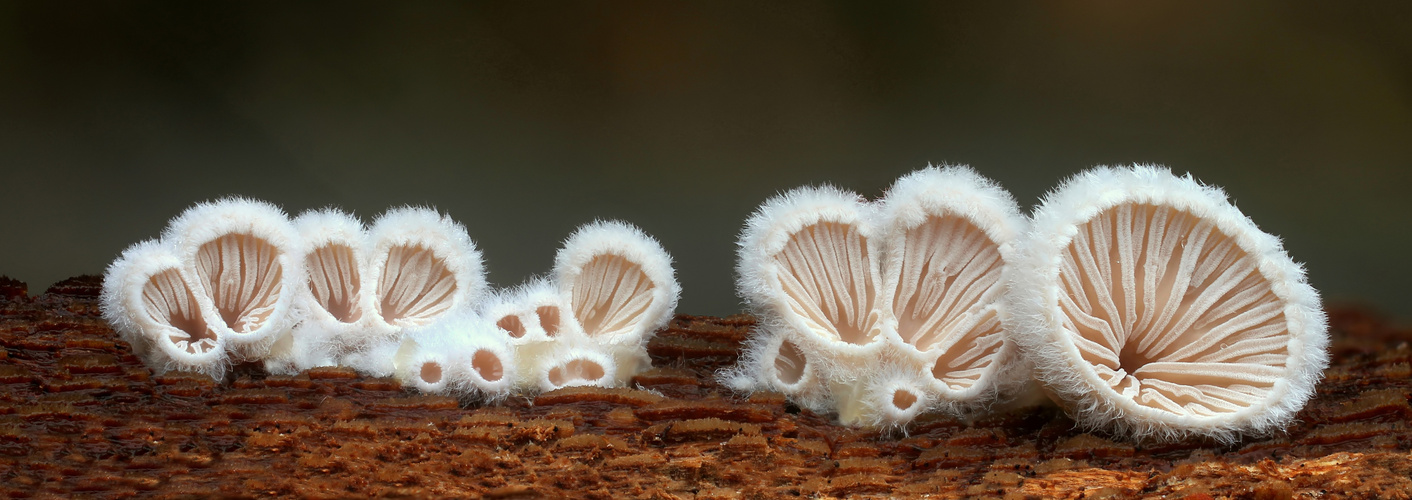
152, 307
410, 268
215, 289
459, 354
612, 286
901, 295
1151, 306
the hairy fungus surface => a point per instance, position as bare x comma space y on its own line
212, 291
168, 300
824, 270
82, 416
1171, 312
1151, 305
336, 281
904, 288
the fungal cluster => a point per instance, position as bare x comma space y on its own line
1148, 304
1142, 302
236, 281
881, 310
611, 288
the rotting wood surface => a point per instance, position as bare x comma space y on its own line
81, 416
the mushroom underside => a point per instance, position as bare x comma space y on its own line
1170, 312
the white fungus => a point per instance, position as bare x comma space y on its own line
216, 289
235, 281
1151, 306
612, 286
410, 268
881, 311
458, 354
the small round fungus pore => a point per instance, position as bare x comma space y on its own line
790, 363
487, 365
576, 372
431, 372
548, 319
512, 325
903, 399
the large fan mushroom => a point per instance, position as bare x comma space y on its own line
1150, 305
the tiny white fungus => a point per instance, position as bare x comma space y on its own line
909, 285
1150, 305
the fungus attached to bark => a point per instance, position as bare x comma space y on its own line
215, 289
1150, 305
587, 323
410, 268
915, 277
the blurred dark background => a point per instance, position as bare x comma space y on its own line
524, 120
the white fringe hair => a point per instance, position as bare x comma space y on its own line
1274, 385
933, 216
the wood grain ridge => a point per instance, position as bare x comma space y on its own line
81, 416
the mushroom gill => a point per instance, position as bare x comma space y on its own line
1170, 312
823, 272
1149, 304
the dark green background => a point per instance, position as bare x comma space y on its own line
524, 120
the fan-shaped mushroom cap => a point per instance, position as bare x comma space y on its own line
948, 235
808, 262
422, 265
243, 256
419, 266
333, 303
620, 287
1150, 305
916, 277
148, 302
335, 257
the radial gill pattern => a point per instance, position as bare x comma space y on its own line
1165, 311
412, 267
881, 311
827, 269
612, 287
168, 302
237, 281
945, 297
242, 275
215, 289
335, 281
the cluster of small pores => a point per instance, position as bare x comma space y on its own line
236, 281
1141, 302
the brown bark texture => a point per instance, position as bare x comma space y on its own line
81, 416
